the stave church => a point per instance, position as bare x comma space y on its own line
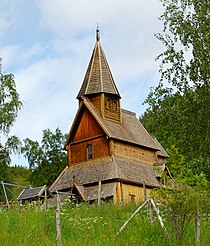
110, 153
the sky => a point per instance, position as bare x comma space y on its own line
47, 45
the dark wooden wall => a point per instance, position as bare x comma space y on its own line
88, 128
88, 132
79, 150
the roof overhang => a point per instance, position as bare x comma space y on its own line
84, 104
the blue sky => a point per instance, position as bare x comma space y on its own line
47, 45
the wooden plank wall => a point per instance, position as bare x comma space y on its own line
79, 150
108, 106
88, 132
124, 192
96, 100
112, 109
145, 156
88, 128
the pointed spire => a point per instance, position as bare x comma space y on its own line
98, 77
97, 34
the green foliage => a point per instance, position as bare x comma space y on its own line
181, 200
186, 25
183, 197
12, 145
14, 175
176, 162
46, 160
10, 104
20, 175
4, 159
178, 112
182, 121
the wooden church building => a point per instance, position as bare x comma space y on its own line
110, 153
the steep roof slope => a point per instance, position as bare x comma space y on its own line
161, 151
98, 77
131, 130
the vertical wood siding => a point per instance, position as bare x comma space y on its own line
130, 193
88, 127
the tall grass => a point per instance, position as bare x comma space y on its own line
89, 225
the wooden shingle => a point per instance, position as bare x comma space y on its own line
31, 193
98, 77
109, 168
131, 130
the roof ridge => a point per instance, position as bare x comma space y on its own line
128, 112
91, 68
64, 170
100, 68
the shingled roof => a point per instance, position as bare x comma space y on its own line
106, 169
161, 151
131, 130
31, 193
98, 78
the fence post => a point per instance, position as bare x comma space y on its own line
58, 222
99, 191
145, 191
5, 194
121, 191
157, 212
197, 226
45, 198
151, 216
131, 217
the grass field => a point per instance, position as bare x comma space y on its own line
90, 225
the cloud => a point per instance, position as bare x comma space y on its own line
80, 15
47, 44
127, 33
47, 94
17, 57
4, 25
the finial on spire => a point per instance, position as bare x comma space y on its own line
97, 33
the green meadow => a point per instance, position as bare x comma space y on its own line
91, 225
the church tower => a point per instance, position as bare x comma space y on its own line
99, 86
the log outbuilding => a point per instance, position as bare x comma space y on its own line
37, 194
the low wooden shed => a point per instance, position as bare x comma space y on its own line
38, 194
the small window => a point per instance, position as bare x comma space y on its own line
132, 197
89, 152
